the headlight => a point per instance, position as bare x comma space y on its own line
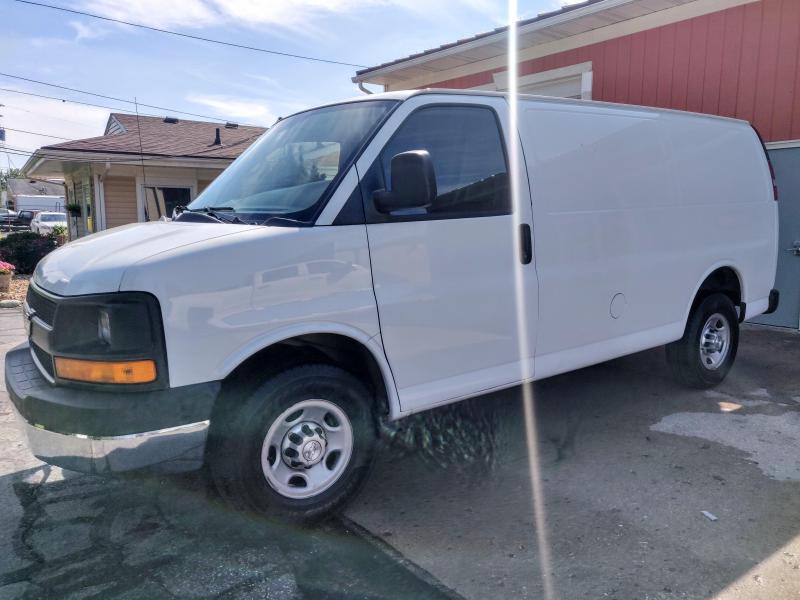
109, 338
104, 326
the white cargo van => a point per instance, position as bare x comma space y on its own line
366, 260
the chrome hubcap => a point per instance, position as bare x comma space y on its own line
303, 445
715, 341
307, 448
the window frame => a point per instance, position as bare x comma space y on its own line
177, 181
581, 74
192, 195
374, 216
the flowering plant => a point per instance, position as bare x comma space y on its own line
6, 268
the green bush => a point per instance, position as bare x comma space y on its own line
26, 249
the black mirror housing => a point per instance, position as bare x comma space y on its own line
413, 183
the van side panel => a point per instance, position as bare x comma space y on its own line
242, 293
726, 189
628, 220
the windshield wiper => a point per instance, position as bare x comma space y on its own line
287, 221
215, 212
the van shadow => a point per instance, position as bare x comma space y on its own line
623, 503
149, 536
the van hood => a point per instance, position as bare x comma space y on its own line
95, 264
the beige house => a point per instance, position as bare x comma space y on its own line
139, 169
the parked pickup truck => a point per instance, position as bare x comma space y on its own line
8, 218
24, 217
368, 260
17, 220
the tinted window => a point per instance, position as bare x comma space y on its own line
468, 157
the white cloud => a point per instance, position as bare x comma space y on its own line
298, 16
292, 14
85, 31
227, 107
156, 13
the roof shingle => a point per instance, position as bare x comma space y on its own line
28, 187
183, 139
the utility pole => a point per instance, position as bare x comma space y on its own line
4, 193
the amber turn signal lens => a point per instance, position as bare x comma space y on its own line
136, 371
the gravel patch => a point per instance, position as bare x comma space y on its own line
17, 289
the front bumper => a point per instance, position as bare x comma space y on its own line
103, 432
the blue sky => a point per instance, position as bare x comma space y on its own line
228, 83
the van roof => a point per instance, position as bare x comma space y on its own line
403, 95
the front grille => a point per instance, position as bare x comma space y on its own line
44, 308
44, 359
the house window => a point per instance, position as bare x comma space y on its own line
574, 81
159, 202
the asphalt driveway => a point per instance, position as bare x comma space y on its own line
628, 462
69, 535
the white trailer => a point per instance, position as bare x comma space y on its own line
39, 202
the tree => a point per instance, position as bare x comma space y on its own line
6, 175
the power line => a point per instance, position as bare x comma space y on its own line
57, 137
194, 37
114, 161
45, 115
114, 108
97, 95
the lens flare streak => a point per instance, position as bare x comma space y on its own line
531, 436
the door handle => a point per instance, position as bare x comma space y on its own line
795, 249
525, 244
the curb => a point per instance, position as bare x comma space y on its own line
399, 558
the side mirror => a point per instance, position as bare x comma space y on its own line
413, 183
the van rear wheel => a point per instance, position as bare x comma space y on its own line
297, 447
705, 354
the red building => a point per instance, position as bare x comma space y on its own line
736, 58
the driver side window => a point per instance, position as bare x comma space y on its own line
468, 158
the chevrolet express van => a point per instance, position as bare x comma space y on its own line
366, 260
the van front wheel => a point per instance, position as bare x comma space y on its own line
298, 446
705, 353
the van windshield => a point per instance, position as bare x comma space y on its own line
290, 170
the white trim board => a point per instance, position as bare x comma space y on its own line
576, 80
783, 145
100, 202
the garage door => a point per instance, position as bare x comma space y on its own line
787, 171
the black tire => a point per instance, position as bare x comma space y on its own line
239, 428
689, 365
